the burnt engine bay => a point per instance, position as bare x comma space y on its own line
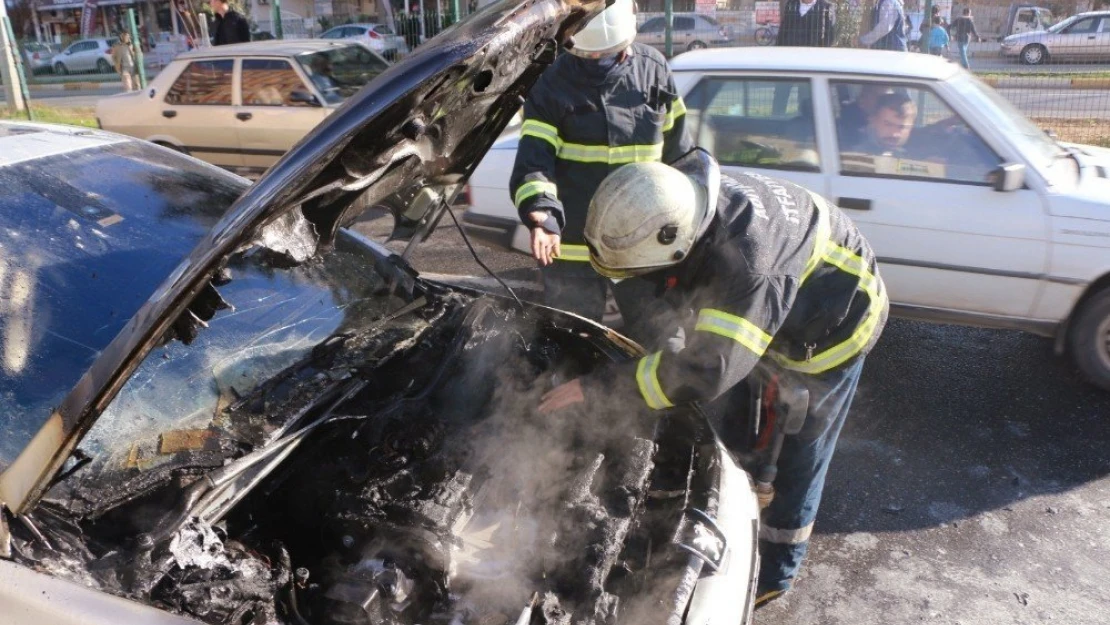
427, 489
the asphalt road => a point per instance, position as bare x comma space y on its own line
971, 484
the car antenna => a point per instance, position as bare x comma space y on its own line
474, 253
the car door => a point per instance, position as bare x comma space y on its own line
652, 32
79, 61
274, 111
683, 32
1077, 39
758, 123
914, 176
1099, 47
199, 112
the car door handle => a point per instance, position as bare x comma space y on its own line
169, 114
244, 116
854, 203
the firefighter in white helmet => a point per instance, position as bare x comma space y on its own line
775, 279
607, 103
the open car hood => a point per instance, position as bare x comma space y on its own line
408, 140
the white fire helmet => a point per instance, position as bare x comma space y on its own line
607, 33
647, 216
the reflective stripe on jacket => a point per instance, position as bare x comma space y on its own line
781, 277
580, 124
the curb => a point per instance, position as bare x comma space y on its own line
75, 86
1046, 82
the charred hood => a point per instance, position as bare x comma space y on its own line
408, 140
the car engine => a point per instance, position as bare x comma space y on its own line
417, 484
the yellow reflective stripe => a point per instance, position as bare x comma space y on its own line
837, 355
821, 240
647, 378
574, 253
536, 187
610, 155
678, 109
732, 327
540, 130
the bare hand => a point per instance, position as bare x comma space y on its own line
562, 396
545, 246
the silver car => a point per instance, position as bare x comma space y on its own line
38, 57
689, 32
378, 37
86, 55
1084, 37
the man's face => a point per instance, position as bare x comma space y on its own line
892, 127
218, 7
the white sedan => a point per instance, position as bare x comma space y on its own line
978, 217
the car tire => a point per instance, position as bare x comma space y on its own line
1034, 54
60, 69
1089, 339
696, 45
103, 67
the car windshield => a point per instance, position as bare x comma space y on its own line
1062, 24
170, 413
82, 251
711, 20
1042, 150
338, 73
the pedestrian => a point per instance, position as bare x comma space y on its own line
888, 31
229, 26
963, 29
782, 283
606, 103
806, 23
123, 60
938, 39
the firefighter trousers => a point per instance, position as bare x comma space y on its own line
788, 522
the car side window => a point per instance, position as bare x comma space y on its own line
756, 122
332, 34
271, 82
206, 83
654, 25
684, 23
903, 131
1084, 26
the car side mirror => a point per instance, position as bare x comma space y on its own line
304, 97
1008, 177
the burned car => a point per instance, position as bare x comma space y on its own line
289, 425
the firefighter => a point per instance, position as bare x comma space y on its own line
607, 103
776, 281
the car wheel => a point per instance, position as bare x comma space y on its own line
1090, 339
697, 45
1034, 54
104, 67
60, 69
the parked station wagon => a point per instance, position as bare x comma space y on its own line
980, 218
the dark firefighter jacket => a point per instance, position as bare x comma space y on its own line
780, 276
581, 124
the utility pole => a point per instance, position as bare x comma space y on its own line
136, 46
8, 72
279, 30
668, 33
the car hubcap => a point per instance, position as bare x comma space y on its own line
1033, 55
1102, 339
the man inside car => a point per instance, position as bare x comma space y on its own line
889, 126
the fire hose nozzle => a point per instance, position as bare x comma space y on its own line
764, 494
